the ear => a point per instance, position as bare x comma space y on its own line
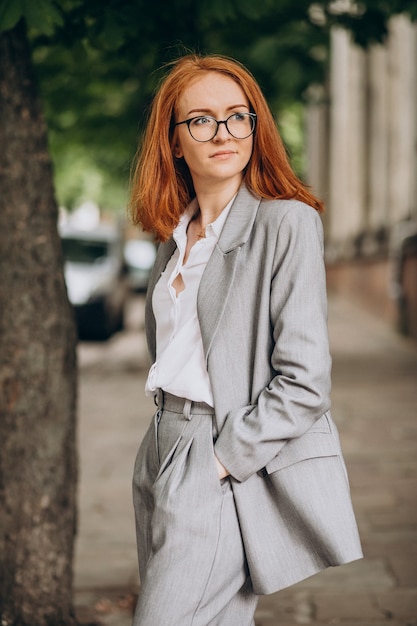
177, 151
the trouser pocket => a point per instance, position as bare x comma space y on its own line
170, 429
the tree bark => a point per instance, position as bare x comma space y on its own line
37, 364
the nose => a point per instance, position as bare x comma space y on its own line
222, 132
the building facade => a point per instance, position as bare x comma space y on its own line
362, 160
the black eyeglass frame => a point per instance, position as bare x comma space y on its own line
253, 116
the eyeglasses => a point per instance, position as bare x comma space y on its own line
205, 127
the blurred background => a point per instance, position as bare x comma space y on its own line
341, 80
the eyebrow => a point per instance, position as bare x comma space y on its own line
230, 108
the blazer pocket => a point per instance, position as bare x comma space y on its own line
322, 425
314, 444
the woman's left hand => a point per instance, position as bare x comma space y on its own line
221, 470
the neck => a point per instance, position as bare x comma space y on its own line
213, 201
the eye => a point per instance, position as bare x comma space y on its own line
238, 117
202, 121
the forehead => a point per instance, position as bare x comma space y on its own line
211, 91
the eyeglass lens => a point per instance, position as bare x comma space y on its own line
239, 125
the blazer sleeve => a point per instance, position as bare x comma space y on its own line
299, 392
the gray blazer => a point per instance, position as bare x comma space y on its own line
262, 312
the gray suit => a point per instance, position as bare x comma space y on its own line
262, 312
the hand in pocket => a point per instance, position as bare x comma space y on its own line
221, 470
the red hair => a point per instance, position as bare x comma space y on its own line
161, 184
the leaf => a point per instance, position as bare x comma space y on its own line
42, 15
10, 13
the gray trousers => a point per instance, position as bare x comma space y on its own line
192, 562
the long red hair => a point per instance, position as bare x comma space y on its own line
161, 184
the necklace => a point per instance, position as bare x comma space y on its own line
202, 233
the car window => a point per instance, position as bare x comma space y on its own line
83, 250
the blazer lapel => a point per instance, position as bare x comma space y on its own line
219, 273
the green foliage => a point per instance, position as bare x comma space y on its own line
97, 63
82, 177
291, 127
98, 71
43, 15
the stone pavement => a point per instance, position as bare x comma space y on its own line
375, 407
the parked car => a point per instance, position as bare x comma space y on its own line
139, 258
96, 279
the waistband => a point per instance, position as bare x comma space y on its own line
169, 402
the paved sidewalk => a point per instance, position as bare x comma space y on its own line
375, 407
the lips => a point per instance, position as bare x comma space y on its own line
222, 154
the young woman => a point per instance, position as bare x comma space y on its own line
240, 487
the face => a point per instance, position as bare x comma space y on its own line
223, 158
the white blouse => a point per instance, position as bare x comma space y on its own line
180, 366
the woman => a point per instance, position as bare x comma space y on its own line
240, 487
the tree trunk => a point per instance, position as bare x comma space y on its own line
37, 364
